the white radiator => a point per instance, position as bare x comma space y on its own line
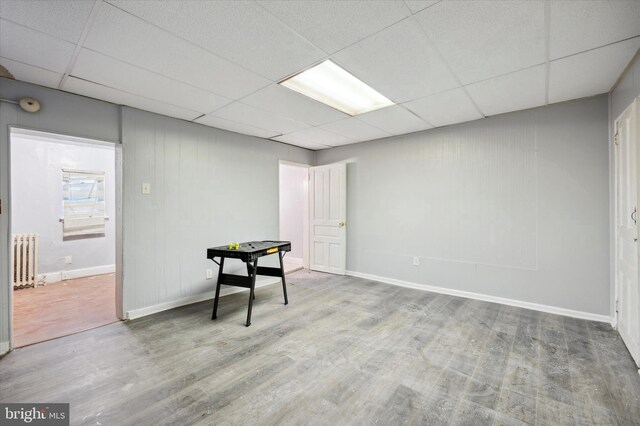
25, 260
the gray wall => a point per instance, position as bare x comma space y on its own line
36, 200
293, 196
514, 206
627, 89
61, 113
208, 187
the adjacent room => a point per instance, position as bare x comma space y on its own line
62, 200
319, 212
294, 213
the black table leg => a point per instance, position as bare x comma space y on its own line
249, 274
284, 282
215, 302
252, 275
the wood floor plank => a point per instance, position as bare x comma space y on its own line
344, 351
62, 308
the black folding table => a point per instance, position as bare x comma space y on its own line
249, 253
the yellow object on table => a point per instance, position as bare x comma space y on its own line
234, 246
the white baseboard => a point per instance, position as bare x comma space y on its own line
487, 298
4, 347
142, 312
52, 277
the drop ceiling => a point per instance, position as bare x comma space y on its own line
218, 62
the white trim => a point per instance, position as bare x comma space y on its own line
293, 163
487, 298
142, 312
47, 136
118, 166
61, 219
4, 347
611, 151
52, 277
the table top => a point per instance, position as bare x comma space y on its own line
250, 250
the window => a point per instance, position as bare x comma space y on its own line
83, 201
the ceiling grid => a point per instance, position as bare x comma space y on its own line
83, 36
219, 63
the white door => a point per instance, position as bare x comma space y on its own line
628, 294
328, 215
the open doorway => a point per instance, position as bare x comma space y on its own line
63, 235
294, 214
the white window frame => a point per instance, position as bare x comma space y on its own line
90, 219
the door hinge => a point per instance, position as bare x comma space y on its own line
615, 139
617, 305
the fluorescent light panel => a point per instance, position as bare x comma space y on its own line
333, 86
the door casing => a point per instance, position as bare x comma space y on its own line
6, 209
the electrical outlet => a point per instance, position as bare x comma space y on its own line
416, 261
67, 260
209, 274
146, 188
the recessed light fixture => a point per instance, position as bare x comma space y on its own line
333, 86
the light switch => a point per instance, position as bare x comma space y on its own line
146, 188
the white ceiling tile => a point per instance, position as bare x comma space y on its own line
291, 104
242, 32
589, 73
260, 118
355, 129
576, 26
395, 120
314, 135
511, 92
34, 48
93, 90
63, 19
301, 144
232, 126
110, 72
334, 25
31, 74
445, 108
398, 62
130, 39
484, 39
418, 5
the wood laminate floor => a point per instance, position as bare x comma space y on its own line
62, 308
344, 351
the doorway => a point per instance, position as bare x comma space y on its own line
294, 213
627, 193
63, 193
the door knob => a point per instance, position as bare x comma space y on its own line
341, 224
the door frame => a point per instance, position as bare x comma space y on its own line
616, 283
118, 166
305, 219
